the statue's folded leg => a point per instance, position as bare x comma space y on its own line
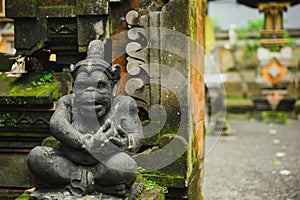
116, 174
51, 167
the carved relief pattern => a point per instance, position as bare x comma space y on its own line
141, 56
26, 120
137, 51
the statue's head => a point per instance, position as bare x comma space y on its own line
94, 80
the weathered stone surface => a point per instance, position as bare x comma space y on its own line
138, 192
6, 61
154, 194
134, 194
64, 27
14, 172
26, 8
61, 8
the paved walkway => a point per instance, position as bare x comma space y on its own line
257, 161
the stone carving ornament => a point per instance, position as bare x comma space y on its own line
96, 130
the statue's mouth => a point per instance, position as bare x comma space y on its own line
93, 104
99, 108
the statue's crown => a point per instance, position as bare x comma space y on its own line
95, 62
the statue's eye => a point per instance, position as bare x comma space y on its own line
101, 84
81, 86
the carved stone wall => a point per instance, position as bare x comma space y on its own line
166, 68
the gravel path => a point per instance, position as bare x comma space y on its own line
257, 161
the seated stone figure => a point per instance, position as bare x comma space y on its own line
96, 130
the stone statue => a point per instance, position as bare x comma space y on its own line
96, 130
18, 68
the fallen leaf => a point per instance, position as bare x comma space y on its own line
276, 141
31, 190
280, 154
272, 131
285, 172
277, 162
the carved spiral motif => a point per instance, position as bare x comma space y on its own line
152, 54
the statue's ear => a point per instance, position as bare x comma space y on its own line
116, 72
72, 68
116, 77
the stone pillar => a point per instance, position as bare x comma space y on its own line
197, 19
170, 75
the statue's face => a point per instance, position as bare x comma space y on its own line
93, 94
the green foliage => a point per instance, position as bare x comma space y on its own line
111, 27
251, 47
150, 185
255, 26
43, 80
242, 33
274, 116
250, 115
24, 196
215, 21
291, 42
165, 190
207, 132
274, 48
141, 169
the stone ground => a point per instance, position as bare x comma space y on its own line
258, 161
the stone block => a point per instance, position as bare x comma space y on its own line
14, 171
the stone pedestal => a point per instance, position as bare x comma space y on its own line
139, 191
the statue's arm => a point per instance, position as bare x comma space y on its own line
60, 124
130, 124
135, 138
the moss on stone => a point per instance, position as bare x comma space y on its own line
44, 90
51, 142
274, 117
19, 134
24, 196
22, 91
166, 180
152, 191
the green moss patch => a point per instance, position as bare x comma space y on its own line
23, 196
238, 101
23, 91
274, 117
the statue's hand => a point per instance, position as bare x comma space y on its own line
88, 141
120, 139
110, 132
106, 131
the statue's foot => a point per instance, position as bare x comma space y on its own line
119, 190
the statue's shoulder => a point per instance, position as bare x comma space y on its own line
123, 100
66, 100
124, 104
